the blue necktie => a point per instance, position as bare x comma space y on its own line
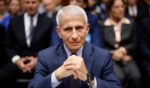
74, 83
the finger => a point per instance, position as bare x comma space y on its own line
72, 57
72, 67
28, 69
24, 70
69, 63
74, 74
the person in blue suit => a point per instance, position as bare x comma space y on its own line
74, 60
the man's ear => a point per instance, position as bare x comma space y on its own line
88, 28
58, 31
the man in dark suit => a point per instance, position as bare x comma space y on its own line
2, 53
144, 49
74, 60
27, 34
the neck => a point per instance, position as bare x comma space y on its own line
32, 15
116, 20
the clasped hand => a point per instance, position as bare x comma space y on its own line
27, 64
73, 66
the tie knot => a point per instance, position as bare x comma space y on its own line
31, 19
73, 54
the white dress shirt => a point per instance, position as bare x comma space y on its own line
133, 10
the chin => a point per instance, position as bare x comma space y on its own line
75, 48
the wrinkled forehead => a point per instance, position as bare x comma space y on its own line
70, 17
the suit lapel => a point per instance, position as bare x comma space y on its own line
61, 57
21, 30
87, 53
110, 35
61, 54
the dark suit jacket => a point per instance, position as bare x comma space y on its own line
2, 52
128, 37
97, 61
16, 40
144, 35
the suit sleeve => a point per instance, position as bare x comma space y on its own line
144, 41
41, 77
10, 41
108, 78
132, 43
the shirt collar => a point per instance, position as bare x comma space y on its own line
110, 22
28, 16
79, 52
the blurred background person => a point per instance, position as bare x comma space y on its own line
144, 49
2, 51
51, 8
144, 10
4, 15
101, 10
131, 9
120, 39
27, 34
15, 8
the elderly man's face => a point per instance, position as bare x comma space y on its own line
73, 30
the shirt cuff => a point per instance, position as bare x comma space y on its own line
54, 81
15, 58
95, 83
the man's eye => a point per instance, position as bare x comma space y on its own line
68, 29
79, 28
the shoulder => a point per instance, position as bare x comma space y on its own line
44, 20
101, 56
100, 51
17, 19
44, 17
48, 51
96, 51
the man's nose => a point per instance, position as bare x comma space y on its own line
74, 34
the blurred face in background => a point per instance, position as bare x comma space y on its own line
105, 1
147, 2
91, 3
77, 2
117, 10
2, 6
31, 6
131, 2
15, 6
49, 5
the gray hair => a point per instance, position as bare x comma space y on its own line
71, 9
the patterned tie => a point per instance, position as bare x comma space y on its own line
74, 83
30, 30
